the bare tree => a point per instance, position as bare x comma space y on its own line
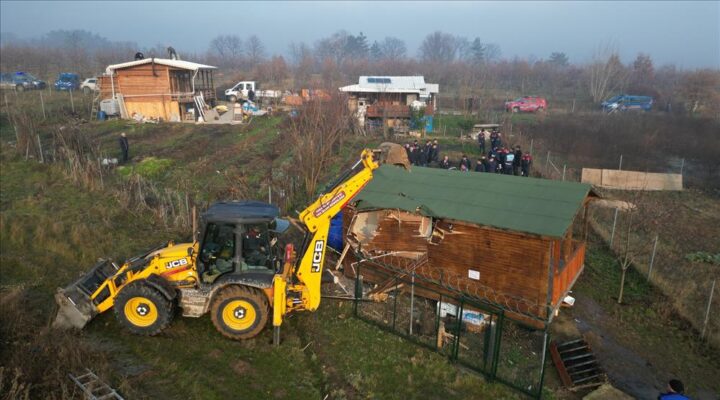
392, 48
228, 49
255, 50
439, 47
316, 134
607, 74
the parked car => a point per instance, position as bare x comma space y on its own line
89, 85
20, 81
625, 102
67, 81
526, 104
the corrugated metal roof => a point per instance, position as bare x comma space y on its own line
398, 84
162, 61
537, 206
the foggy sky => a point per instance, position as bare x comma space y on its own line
683, 33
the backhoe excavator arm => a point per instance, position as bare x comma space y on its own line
303, 293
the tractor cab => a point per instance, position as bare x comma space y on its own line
239, 240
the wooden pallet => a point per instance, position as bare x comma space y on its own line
577, 365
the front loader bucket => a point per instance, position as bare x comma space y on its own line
395, 154
75, 305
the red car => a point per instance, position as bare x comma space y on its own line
526, 104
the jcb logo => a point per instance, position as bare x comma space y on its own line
176, 263
318, 255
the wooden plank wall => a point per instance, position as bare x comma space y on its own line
139, 80
511, 263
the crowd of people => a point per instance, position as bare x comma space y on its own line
499, 160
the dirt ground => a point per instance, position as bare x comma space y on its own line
639, 348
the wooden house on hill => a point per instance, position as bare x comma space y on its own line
508, 241
158, 88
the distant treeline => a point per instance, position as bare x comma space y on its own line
464, 67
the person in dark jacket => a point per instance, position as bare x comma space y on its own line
516, 161
445, 163
481, 140
485, 163
675, 390
428, 153
412, 155
492, 165
124, 147
525, 164
480, 166
466, 162
495, 138
420, 156
436, 151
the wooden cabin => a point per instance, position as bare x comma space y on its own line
158, 88
515, 243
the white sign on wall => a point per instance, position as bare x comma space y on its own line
472, 274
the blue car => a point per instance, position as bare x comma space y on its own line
625, 102
20, 81
67, 81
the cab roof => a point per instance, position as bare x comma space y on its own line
247, 211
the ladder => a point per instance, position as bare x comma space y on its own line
95, 108
94, 388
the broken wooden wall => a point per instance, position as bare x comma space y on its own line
513, 267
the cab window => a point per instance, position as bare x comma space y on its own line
218, 252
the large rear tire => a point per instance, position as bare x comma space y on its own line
143, 310
239, 312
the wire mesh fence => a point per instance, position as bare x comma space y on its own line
470, 332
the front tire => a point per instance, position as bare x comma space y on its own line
239, 312
515, 110
20, 88
233, 99
143, 310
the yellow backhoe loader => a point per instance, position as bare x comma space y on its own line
235, 270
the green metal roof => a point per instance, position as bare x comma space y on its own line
538, 206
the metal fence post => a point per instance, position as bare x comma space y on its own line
412, 301
531, 145
72, 103
358, 289
620, 166
652, 257
547, 163
707, 312
395, 305
564, 168
456, 344
612, 234
546, 343
437, 322
682, 166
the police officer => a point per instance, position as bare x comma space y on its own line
517, 160
525, 164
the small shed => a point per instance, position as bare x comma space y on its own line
510, 241
159, 88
